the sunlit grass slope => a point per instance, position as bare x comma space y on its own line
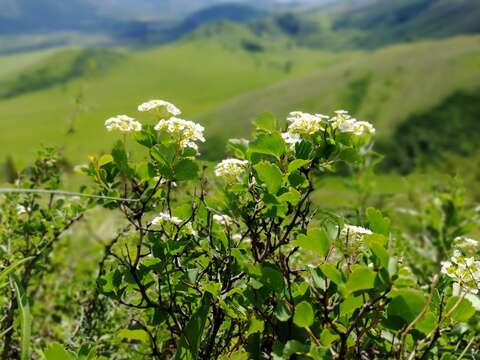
385, 87
225, 86
197, 75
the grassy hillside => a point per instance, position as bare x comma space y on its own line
385, 87
197, 75
226, 90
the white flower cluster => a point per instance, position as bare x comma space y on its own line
353, 233
161, 107
186, 132
346, 124
166, 218
22, 210
231, 169
223, 220
466, 244
465, 271
304, 123
123, 123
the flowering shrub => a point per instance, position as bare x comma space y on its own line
242, 265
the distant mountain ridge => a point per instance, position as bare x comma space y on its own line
325, 24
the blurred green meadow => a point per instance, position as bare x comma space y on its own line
411, 67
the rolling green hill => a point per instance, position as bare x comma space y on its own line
385, 87
197, 75
226, 90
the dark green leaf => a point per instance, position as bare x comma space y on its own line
189, 343
186, 170
272, 278
406, 304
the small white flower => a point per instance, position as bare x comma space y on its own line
187, 133
465, 271
353, 234
231, 169
123, 123
166, 218
356, 127
22, 209
163, 181
449, 269
237, 237
458, 258
467, 244
304, 123
223, 220
291, 139
160, 106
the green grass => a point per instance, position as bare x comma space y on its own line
196, 75
391, 84
223, 86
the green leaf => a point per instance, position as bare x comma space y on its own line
5, 272
86, 353
190, 341
270, 175
266, 121
332, 273
133, 335
272, 278
379, 251
56, 352
147, 137
282, 311
164, 154
292, 196
303, 149
25, 317
350, 155
303, 316
186, 170
463, 310
121, 159
105, 159
213, 288
378, 223
294, 347
316, 240
327, 337
297, 164
351, 303
406, 304
239, 147
427, 323
361, 278
256, 326
269, 144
